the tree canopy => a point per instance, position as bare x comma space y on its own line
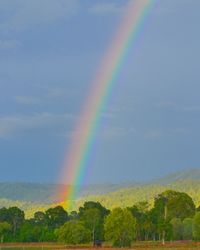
120, 227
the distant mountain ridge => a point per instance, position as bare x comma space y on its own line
47, 193
188, 174
32, 197
27, 191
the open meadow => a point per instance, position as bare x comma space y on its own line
99, 125
179, 245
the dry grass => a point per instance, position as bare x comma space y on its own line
182, 245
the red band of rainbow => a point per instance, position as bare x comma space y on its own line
82, 140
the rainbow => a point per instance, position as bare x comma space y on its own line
82, 140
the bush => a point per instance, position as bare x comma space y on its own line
73, 232
177, 228
196, 226
187, 229
120, 227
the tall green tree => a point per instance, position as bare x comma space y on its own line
73, 215
93, 214
5, 228
29, 233
73, 232
4, 214
177, 205
177, 228
91, 218
120, 227
92, 204
172, 204
15, 217
40, 218
187, 228
56, 217
196, 226
143, 220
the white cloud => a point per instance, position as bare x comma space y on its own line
54, 92
107, 7
27, 100
9, 44
191, 108
153, 134
171, 6
111, 132
108, 132
50, 93
22, 14
17, 125
167, 104
179, 107
180, 131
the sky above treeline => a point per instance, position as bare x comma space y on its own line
50, 51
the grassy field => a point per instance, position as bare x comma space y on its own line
136, 245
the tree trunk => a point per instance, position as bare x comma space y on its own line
93, 236
165, 218
14, 227
163, 237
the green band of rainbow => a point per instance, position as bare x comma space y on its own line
82, 140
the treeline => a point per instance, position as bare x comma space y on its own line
124, 197
128, 196
173, 217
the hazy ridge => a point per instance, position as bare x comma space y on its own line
34, 196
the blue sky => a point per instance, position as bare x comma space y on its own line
49, 53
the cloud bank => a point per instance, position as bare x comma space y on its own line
54, 124
23, 14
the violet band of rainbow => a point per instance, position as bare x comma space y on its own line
75, 165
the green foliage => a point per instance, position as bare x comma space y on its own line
30, 197
91, 204
92, 214
91, 218
56, 217
5, 228
164, 230
178, 204
177, 228
29, 233
73, 215
40, 218
34, 233
120, 227
187, 228
169, 219
196, 226
144, 223
29, 208
126, 197
14, 216
73, 232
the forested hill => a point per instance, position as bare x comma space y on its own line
129, 196
188, 174
27, 191
47, 193
32, 197
186, 181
